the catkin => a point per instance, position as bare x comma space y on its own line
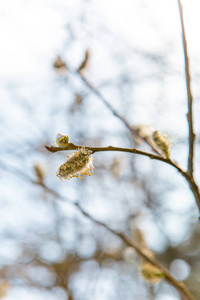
77, 164
162, 142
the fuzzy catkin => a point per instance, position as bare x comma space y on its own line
77, 164
162, 142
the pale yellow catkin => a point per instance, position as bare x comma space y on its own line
77, 164
163, 143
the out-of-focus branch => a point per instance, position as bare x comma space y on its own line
180, 286
114, 112
189, 93
59, 64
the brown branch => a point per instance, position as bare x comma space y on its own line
72, 146
193, 186
189, 93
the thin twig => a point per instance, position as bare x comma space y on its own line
189, 93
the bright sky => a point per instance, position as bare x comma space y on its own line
32, 32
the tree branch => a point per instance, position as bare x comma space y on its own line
189, 93
72, 146
193, 186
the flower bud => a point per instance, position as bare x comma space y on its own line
62, 140
40, 172
151, 273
